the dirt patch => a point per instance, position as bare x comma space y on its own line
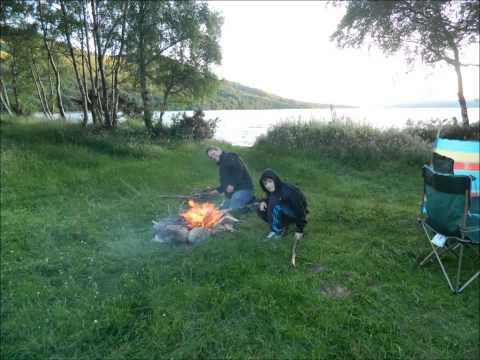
319, 268
335, 291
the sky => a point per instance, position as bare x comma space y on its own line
283, 47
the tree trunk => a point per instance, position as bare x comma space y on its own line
51, 95
5, 105
99, 56
147, 112
142, 67
75, 68
97, 101
117, 64
461, 98
92, 94
58, 89
41, 92
52, 62
40, 97
4, 98
114, 95
160, 119
84, 76
17, 108
163, 106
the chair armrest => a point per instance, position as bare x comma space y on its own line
469, 229
471, 232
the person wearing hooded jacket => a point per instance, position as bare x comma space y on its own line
285, 204
235, 180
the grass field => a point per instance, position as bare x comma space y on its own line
81, 278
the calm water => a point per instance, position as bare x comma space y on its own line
242, 127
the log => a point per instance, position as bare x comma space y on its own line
170, 229
179, 233
198, 234
174, 229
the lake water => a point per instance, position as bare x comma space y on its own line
243, 127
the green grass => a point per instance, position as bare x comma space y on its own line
81, 279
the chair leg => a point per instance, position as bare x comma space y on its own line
443, 268
468, 282
459, 269
440, 252
427, 258
455, 248
430, 241
464, 286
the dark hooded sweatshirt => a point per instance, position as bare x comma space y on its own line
286, 195
233, 171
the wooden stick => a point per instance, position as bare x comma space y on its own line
138, 193
294, 251
227, 216
182, 197
185, 197
200, 195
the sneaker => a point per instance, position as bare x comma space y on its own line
272, 235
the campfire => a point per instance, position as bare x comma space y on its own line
193, 225
197, 223
204, 215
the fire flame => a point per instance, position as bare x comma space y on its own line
202, 215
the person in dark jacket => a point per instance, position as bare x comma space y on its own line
285, 204
235, 181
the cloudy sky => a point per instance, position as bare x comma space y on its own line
284, 48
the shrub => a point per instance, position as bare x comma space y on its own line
192, 127
429, 130
349, 142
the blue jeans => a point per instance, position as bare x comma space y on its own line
279, 215
238, 200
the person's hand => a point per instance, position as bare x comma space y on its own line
298, 235
229, 189
262, 206
213, 192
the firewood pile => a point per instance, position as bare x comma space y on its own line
195, 224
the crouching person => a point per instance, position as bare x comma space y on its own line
285, 204
235, 181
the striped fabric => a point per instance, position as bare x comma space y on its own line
466, 157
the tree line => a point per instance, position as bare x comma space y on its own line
164, 48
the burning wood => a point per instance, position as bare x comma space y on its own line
193, 225
202, 215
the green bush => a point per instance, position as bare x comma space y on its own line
429, 130
349, 142
194, 127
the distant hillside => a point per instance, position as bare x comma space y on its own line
438, 104
232, 95
228, 95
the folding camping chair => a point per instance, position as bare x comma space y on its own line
442, 164
446, 212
